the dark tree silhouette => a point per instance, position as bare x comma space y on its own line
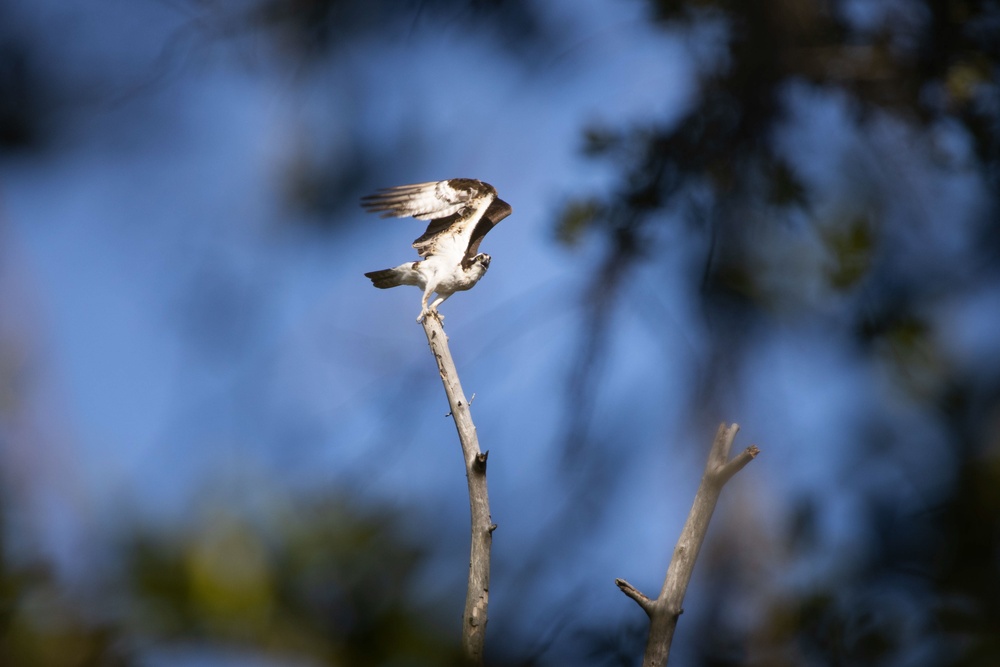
924, 589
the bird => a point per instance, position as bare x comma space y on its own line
461, 212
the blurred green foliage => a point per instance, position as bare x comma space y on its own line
324, 584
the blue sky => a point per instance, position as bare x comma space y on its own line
142, 202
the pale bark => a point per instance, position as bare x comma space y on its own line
664, 611
478, 593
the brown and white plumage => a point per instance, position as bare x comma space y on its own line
461, 212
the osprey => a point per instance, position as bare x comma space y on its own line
461, 212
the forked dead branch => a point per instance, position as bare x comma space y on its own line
664, 611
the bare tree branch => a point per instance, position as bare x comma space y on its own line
634, 593
664, 610
478, 594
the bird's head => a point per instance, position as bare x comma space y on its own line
475, 267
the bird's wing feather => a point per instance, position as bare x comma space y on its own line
497, 211
453, 208
425, 201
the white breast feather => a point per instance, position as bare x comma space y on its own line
453, 242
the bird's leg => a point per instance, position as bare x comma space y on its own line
424, 309
434, 306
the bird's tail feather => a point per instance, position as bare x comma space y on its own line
384, 279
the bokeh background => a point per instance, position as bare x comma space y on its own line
221, 446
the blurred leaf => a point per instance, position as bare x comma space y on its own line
786, 188
851, 246
229, 576
576, 219
21, 96
600, 141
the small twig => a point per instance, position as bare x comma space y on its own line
665, 609
634, 593
478, 593
470, 400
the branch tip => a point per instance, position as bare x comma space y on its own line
723, 443
492, 527
737, 463
634, 593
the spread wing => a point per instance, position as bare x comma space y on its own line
497, 211
460, 210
